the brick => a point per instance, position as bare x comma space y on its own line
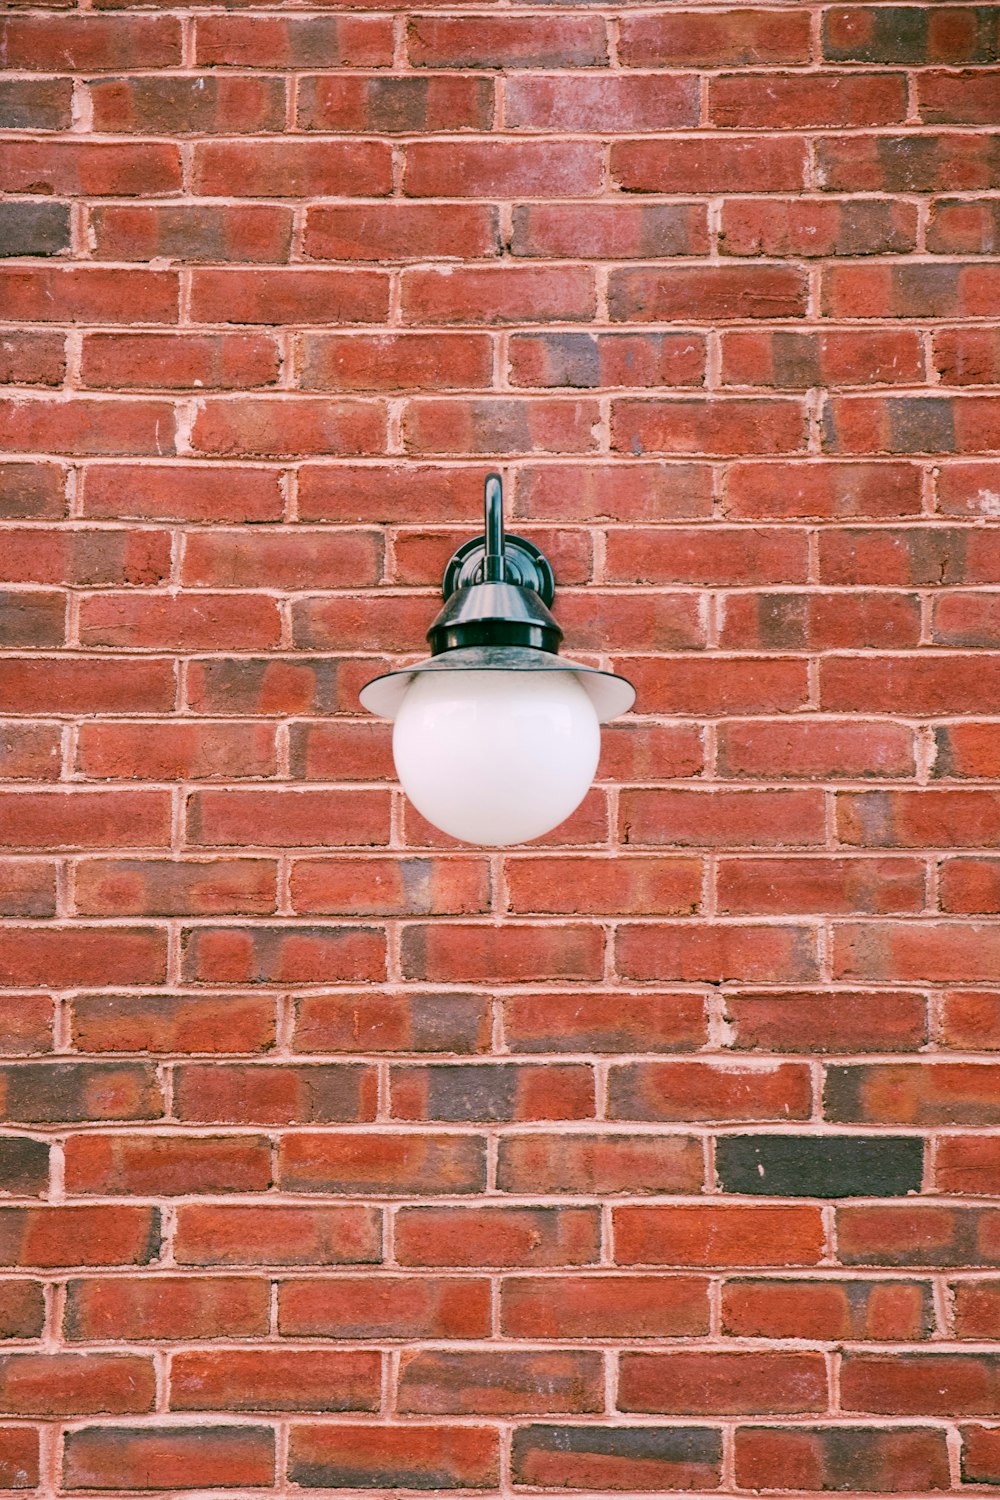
604, 1022
166, 362
952, 817
706, 293
797, 361
85, 557
962, 226
506, 169
165, 1457
288, 817
384, 232
121, 1235
611, 1162
617, 1457
276, 685
291, 168
295, 296
640, 751
281, 1093
418, 1022
807, 101
908, 34
86, 425
975, 1307
966, 356
93, 168
906, 163
83, 819
693, 952
511, 294
707, 819
817, 621
820, 1166
969, 886
51, 1091
241, 1235
526, 1237
392, 362
634, 886
335, 102
348, 751
163, 1166
32, 618
920, 1235
72, 1384
21, 1308
699, 1384
840, 1458
392, 1307
828, 490
608, 231
585, 361
36, 103
27, 1025
506, 42
728, 1235
979, 1454
192, 232
824, 749
200, 622
501, 1382
809, 227
411, 1457
970, 1020
964, 750
275, 1380
710, 39
273, 426
91, 43
173, 1023
173, 751
286, 954
606, 105
422, 555
29, 752
383, 1164
509, 954
501, 1092
967, 1164
845, 1021
718, 685
499, 425
102, 1308
24, 1165
933, 952
691, 1090
389, 887
66, 957
33, 229
33, 357
19, 1457
687, 425
294, 559
184, 493
249, 41
837, 886
706, 165
603, 1306
827, 1309
198, 104
948, 684
897, 1093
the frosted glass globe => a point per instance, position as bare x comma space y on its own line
496, 757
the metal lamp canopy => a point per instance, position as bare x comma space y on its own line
496, 618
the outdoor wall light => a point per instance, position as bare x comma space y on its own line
496, 738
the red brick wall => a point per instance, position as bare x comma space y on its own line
656, 1157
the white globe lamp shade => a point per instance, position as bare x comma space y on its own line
496, 757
